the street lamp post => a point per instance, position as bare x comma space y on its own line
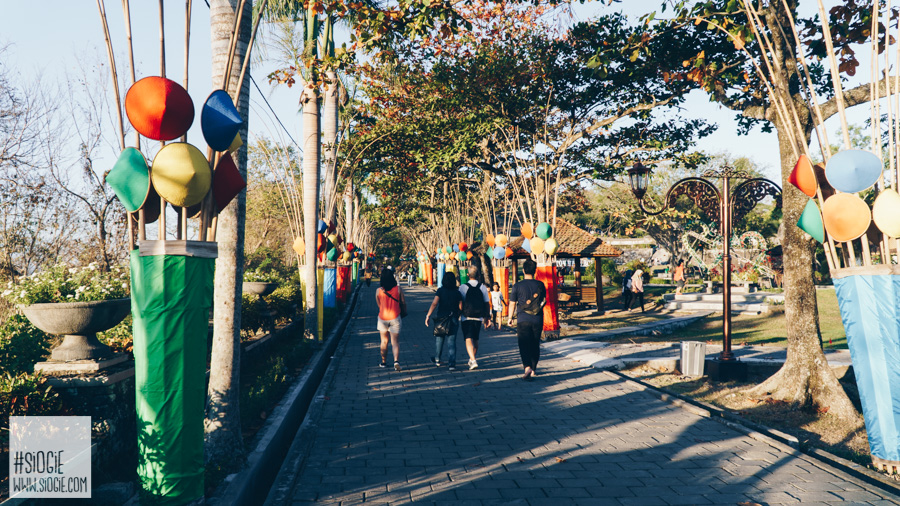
724, 208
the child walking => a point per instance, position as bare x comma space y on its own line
497, 304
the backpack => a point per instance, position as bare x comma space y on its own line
473, 304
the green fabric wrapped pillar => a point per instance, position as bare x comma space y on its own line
170, 300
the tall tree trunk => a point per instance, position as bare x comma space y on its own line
805, 378
329, 139
348, 212
310, 124
224, 443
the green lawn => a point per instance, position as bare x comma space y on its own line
768, 329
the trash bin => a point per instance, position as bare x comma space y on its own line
693, 357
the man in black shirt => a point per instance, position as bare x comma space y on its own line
526, 300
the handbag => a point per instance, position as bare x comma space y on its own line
442, 326
403, 311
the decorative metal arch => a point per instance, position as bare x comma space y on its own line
751, 192
702, 193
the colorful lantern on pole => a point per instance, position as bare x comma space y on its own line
544, 231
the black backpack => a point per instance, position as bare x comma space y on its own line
473, 304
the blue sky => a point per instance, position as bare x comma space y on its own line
71, 30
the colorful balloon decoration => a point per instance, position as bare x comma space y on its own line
886, 212
803, 176
463, 246
846, 216
537, 246
501, 240
508, 252
461, 256
544, 231
526, 245
853, 170
159, 108
489, 239
456, 248
321, 227
527, 230
811, 221
299, 246
499, 253
551, 246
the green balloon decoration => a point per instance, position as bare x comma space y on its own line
811, 221
461, 256
332, 254
543, 230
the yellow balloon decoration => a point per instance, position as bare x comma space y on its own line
550, 246
501, 240
299, 246
537, 245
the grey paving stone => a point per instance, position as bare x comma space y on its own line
574, 436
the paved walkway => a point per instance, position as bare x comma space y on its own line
574, 435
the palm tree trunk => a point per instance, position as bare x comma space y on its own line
329, 138
224, 443
310, 141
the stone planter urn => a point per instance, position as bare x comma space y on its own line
78, 323
260, 288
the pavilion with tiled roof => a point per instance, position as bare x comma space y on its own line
575, 243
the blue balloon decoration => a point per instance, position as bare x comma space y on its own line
322, 227
456, 248
526, 245
853, 170
499, 253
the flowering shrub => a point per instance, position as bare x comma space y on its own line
61, 283
21, 345
262, 276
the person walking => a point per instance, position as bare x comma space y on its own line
410, 275
476, 312
389, 297
497, 304
637, 288
526, 301
448, 303
626, 290
678, 277
368, 276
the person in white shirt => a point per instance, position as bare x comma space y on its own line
497, 304
475, 314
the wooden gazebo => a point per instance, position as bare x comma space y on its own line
576, 243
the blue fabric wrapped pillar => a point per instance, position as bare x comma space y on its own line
330, 288
870, 310
442, 268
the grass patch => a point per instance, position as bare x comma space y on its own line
768, 329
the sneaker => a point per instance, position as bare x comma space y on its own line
382, 365
473, 364
437, 363
397, 366
452, 368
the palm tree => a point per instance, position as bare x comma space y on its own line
294, 12
223, 421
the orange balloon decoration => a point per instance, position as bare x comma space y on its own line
803, 176
501, 240
489, 239
846, 216
527, 230
509, 252
159, 108
469, 255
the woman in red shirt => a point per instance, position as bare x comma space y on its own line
388, 298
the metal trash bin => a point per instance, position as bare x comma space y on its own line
693, 358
